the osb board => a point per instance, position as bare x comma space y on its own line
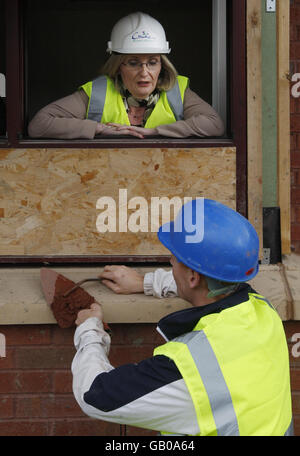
49, 196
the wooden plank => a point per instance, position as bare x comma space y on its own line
254, 114
283, 97
238, 94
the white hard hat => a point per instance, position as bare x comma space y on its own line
138, 33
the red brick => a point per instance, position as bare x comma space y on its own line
44, 357
296, 403
23, 428
293, 32
295, 232
132, 431
295, 246
291, 327
6, 407
62, 382
295, 177
293, 105
62, 336
85, 427
295, 159
293, 141
61, 406
295, 195
135, 334
294, 101
294, 50
295, 214
295, 379
25, 382
122, 355
8, 361
28, 406
26, 334
297, 425
47, 406
295, 119
295, 14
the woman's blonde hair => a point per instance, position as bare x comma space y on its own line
166, 79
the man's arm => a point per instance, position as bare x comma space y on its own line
150, 394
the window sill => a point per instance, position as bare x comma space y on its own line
124, 142
25, 303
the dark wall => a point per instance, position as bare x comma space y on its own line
66, 43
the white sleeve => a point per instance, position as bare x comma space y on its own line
92, 344
150, 394
160, 283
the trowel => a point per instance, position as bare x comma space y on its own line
65, 297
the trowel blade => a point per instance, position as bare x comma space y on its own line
48, 281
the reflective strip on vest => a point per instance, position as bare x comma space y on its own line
98, 96
175, 101
97, 99
290, 430
261, 298
213, 381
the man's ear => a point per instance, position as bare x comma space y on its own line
194, 279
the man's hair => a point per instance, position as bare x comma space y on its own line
166, 79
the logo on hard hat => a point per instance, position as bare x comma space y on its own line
142, 35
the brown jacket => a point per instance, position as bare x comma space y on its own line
66, 119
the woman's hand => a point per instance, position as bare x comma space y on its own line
122, 280
121, 130
131, 129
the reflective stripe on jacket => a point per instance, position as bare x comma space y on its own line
235, 365
106, 103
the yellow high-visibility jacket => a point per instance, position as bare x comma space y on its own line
235, 364
106, 103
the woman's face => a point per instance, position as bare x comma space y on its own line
140, 79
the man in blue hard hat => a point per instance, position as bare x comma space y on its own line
224, 369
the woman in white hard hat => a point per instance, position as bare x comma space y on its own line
139, 93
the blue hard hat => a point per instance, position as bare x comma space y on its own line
213, 239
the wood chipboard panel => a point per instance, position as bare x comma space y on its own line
49, 196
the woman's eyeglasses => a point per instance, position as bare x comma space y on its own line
135, 65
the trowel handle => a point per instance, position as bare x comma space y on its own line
78, 284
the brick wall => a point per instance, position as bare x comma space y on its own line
293, 327
295, 127
36, 383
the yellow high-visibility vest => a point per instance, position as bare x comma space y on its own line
235, 364
106, 103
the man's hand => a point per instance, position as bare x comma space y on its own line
94, 311
122, 280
